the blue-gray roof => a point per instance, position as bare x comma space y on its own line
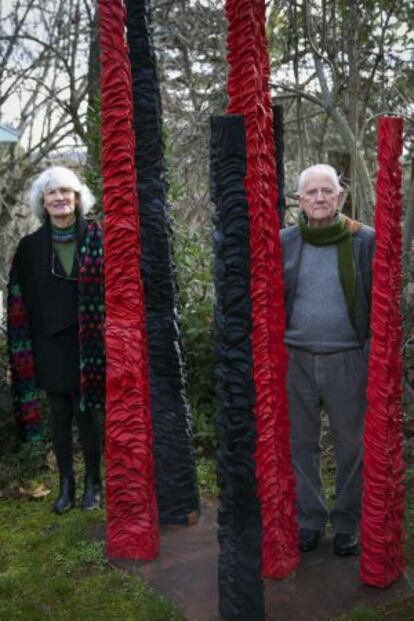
8, 134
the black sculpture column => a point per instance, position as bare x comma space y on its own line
278, 135
240, 584
174, 460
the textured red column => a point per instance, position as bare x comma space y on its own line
248, 90
132, 520
382, 532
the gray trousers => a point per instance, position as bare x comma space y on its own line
338, 382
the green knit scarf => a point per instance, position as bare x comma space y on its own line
64, 243
336, 233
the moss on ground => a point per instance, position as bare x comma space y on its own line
50, 569
54, 568
400, 611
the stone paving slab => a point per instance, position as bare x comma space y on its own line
323, 587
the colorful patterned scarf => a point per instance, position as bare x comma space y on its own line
24, 388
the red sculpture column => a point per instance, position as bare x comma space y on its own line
249, 94
132, 519
382, 532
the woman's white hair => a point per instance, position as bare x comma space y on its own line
59, 177
319, 169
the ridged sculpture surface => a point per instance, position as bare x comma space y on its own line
174, 460
382, 527
132, 517
240, 585
249, 94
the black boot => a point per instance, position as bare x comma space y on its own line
61, 415
92, 494
89, 435
66, 499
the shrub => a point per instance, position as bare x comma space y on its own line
194, 270
17, 460
7, 425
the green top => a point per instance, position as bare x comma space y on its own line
64, 244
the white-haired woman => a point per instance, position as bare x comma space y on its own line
55, 327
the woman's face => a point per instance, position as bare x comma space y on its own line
60, 203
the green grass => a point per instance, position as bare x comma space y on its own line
51, 569
54, 567
401, 611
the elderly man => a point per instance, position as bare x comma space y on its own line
327, 263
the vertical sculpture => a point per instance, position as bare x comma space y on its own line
240, 587
132, 520
249, 95
382, 532
174, 460
278, 133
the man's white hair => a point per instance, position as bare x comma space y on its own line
59, 177
319, 169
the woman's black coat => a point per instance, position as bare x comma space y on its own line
52, 304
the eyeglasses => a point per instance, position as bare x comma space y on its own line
61, 191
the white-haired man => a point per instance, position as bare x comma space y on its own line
327, 263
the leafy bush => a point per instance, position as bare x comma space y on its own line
92, 172
18, 461
7, 426
194, 269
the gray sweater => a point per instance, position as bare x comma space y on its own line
363, 246
319, 321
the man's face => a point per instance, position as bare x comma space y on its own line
319, 199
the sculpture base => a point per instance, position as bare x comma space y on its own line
323, 587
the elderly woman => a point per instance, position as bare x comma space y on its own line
55, 327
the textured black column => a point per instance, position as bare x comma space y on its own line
278, 134
240, 584
174, 460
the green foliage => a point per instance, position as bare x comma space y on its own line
399, 611
93, 174
21, 462
7, 426
207, 476
194, 268
18, 461
361, 613
276, 32
88, 554
54, 568
176, 187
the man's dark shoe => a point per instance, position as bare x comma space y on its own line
66, 499
92, 495
346, 544
309, 539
